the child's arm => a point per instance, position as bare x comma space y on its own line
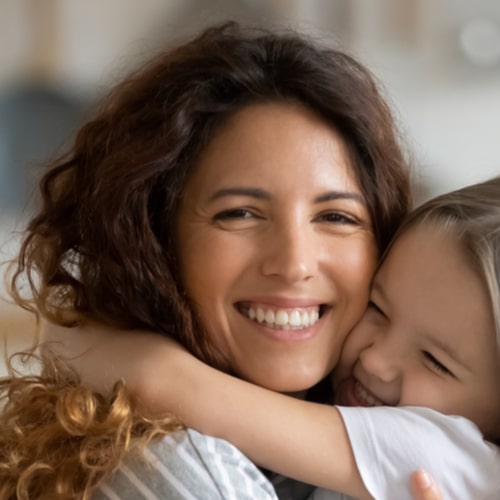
303, 440
306, 441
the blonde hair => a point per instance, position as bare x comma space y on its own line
60, 440
473, 214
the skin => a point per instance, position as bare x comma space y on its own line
272, 224
428, 335
405, 351
295, 235
423, 486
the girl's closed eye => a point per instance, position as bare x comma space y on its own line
375, 316
436, 364
372, 306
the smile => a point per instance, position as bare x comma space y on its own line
296, 318
366, 398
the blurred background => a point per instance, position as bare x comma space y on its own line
438, 60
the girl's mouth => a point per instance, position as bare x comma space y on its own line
351, 392
365, 397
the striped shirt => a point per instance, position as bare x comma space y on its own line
187, 466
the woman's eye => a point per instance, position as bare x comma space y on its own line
337, 218
436, 364
233, 213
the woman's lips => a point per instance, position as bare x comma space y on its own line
352, 393
283, 323
284, 318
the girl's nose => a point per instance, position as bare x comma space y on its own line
382, 360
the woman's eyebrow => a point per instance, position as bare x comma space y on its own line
265, 195
339, 195
241, 191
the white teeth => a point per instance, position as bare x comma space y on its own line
260, 315
296, 318
305, 318
291, 319
281, 318
269, 317
365, 397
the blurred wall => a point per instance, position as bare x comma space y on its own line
439, 61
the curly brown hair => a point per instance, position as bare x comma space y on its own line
101, 246
67, 438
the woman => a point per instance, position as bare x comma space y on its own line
440, 365
264, 150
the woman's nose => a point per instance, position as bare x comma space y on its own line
291, 253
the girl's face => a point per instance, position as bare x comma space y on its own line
276, 245
427, 337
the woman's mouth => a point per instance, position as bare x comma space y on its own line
296, 318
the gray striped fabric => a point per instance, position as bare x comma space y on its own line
188, 465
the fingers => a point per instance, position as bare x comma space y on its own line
423, 486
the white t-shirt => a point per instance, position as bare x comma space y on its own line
391, 443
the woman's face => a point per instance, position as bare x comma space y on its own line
276, 245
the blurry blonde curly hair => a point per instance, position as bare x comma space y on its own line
60, 440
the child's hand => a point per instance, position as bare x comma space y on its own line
423, 486
103, 355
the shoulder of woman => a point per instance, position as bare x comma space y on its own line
186, 463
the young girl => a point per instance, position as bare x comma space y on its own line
428, 344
